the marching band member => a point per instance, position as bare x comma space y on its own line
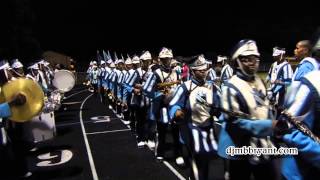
159, 86
246, 93
119, 79
212, 75
17, 68
194, 104
127, 96
106, 80
303, 102
102, 73
88, 72
93, 75
36, 74
133, 86
226, 71
112, 86
45, 68
11, 138
151, 123
307, 64
280, 78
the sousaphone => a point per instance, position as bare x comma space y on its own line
34, 98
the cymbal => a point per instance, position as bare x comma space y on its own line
34, 98
2, 99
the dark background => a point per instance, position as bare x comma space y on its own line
78, 28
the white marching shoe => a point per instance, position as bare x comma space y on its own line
180, 161
141, 144
151, 144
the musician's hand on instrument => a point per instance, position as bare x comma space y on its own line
124, 105
278, 82
136, 91
179, 114
18, 100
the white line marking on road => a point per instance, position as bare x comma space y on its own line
67, 124
104, 132
92, 166
174, 170
100, 121
74, 94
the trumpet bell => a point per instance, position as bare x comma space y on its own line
34, 98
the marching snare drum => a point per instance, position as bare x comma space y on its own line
64, 80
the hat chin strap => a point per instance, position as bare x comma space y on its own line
242, 70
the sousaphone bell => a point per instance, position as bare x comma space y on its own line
34, 98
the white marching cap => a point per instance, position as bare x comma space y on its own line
34, 66
173, 61
246, 48
128, 61
112, 65
165, 53
4, 64
102, 62
16, 64
221, 58
199, 64
109, 61
208, 61
120, 61
146, 56
278, 51
94, 62
135, 60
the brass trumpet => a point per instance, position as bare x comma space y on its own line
166, 86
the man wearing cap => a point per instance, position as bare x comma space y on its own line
36, 74
106, 80
159, 87
212, 75
149, 66
102, 73
127, 96
17, 68
111, 86
47, 72
280, 78
226, 71
193, 106
137, 102
120, 75
146, 125
94, 76
245, 92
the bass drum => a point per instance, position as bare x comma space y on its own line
40, 128
64, 80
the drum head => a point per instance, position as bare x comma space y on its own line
63, 80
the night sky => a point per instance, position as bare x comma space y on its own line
78, 28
